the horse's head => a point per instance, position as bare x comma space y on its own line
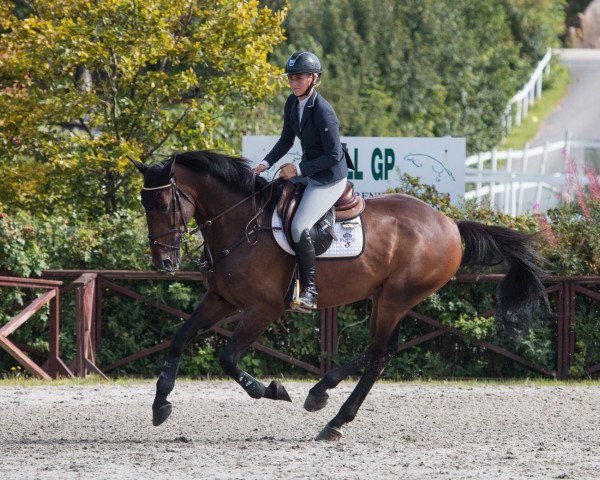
168, 212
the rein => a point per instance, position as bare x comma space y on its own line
209, 264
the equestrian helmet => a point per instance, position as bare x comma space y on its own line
302, 62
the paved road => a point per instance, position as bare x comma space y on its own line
579, 111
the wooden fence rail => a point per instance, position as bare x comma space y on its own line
89, 286
51, 297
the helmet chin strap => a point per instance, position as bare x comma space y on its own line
310, 87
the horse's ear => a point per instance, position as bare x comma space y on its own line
142, 167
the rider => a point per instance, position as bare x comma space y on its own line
308, 116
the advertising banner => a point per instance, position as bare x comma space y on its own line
380, 161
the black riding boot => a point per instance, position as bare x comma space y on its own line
305, 254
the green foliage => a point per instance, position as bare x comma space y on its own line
536, 25
568, 237
127, 78
20, 254
421, 68
574, 247
29, 245
90, 83
474, 328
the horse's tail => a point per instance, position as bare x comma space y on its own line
521, 290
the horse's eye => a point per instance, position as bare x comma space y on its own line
164, 206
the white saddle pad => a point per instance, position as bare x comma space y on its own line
350, 238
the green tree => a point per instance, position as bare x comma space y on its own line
536, 24
421, 67
86, 83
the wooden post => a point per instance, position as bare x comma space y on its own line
560, 318
569, 327
54, 335
55, 365
98, 314
328, 338
565, 333
85, 359
79, 333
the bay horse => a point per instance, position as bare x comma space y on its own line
411, 251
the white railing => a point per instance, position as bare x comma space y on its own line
519, 181
518, 106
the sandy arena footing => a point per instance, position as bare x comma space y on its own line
411, 431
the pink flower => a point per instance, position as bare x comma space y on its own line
573, 185
546, 229
592, 176
4, 56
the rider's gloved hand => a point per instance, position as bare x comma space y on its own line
260, 168
288, 170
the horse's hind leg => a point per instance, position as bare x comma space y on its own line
209, 311
383, 347
317, 396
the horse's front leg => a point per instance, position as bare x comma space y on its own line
209, 311
253, 323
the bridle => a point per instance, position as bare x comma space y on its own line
176, 193
208, 264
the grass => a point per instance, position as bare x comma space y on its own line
555, 88
96, 380
26, 381
538, 382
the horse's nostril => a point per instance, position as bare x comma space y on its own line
167, 264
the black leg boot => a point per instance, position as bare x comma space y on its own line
305, 254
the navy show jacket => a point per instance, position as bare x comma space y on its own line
323, 160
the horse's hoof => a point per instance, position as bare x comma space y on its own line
276, 391
330, 434
314, 403
160, 414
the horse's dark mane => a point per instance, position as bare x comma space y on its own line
234, 172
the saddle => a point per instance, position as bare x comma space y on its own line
350, 205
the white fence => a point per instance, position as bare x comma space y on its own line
518, 106
519, 181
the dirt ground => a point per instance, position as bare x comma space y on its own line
408, 431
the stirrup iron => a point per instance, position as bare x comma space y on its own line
297, 304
